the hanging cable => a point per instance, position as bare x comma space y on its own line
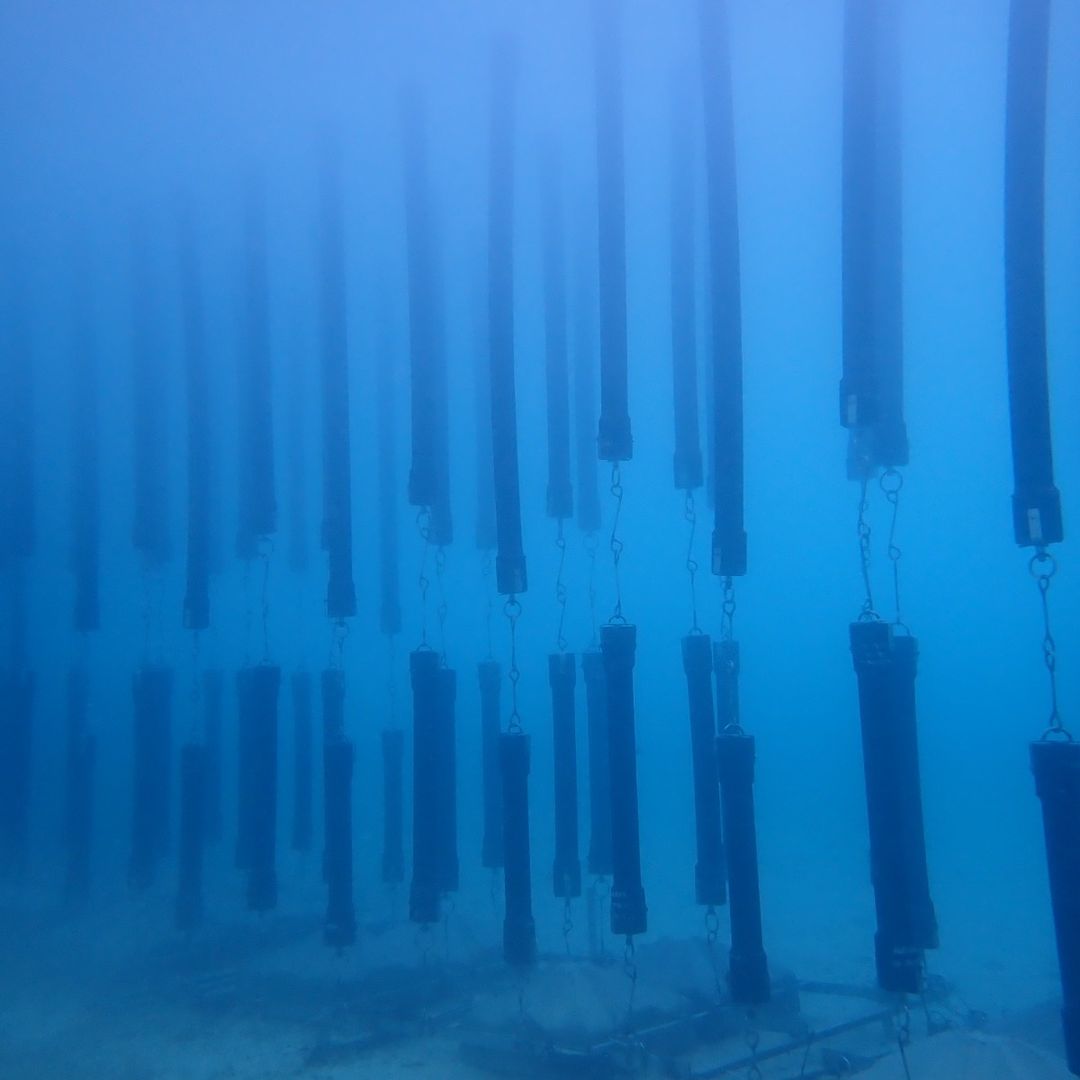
690, 515
512, 611
1043, 567
862, 530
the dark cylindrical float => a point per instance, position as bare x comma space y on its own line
566, 871
389, 571
592, 669
1056, 766
709, 873
628, 912
725, 339
428, 790
152, 788
150, 528
560, 492
257, 517
687, 462
262, 827
584, 376
336, 457
885, 663
189, 893
213, 695
429, 472
519, 929
1036, 502
871, 389
490, 676
446, 753
196, 613
303, 762
85, 478
245, 757
748, 969
339, 929
16, 718
79, 788
393, 849
614, 440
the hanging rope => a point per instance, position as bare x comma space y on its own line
615, 542
868, 613
512, 611
690, 515
1043, 567
892, 483
560, 589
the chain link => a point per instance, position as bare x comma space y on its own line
512, 611
712, 931
591, 546
1043, 567
560, 589
567, 922
892, 483
903, 1036
615, 543
690, 516
727, 610
862, 528
441, 609
423, 583
631, 972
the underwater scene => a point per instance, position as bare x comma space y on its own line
532, 539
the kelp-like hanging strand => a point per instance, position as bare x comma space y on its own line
336, 442
1036, 502
510, 569
257, 505
560, 492
614, 440
196, 381
725, 306
687, 462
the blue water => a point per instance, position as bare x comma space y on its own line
116, 118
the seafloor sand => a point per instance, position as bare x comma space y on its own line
115, 995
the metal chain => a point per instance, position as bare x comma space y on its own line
631, 972
512, 611
423, 527
753, 1041
442, 609
615, 543
690, 516
1043, 567
560, 589
712, 931
892, 483
567, 922
266, 547
339, 631
727, 611
485, 574
868, 613
591, 545
903, 1036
